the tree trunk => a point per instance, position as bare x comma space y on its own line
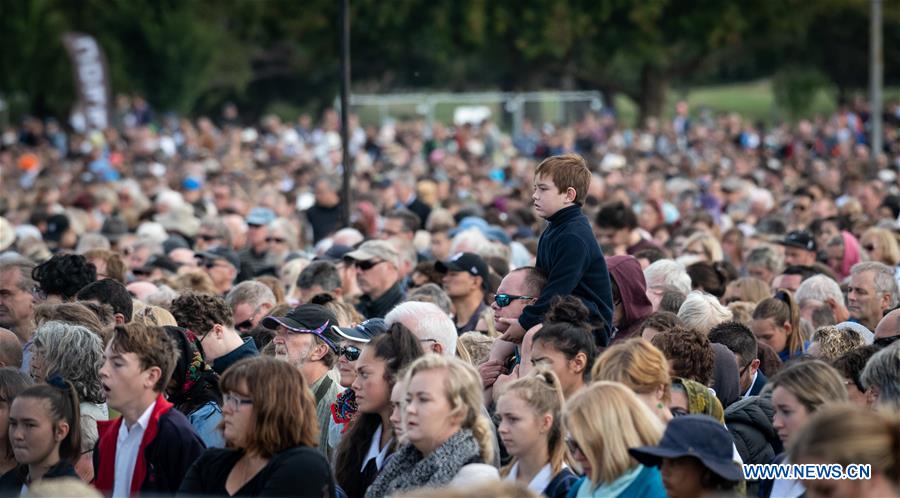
654, 88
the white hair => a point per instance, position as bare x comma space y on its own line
702, 311
347, 237
669, 275
426, 321
819, 288
471, 240
762, 198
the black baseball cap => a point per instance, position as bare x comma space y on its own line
468, 262
364, 332
698, 436
334, 253
305, 319
800, 239
222, 253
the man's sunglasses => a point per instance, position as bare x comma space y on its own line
350, 352
207, 238
367, 265
504, 300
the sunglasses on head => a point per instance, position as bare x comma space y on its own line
350, 352
504, 300
367, 265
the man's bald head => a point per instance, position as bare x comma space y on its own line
889, 326
10, 349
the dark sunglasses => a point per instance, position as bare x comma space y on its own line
367, 265
244, 326
206, 238
504, 300
277, 240
869, 247
350, 352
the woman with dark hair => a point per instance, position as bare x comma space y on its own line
269, 424
63, 275
194, 388
776, 323
12, 382
44, 428
565, 344
370, 440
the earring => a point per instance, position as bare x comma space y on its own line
659, 406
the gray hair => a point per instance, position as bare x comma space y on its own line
431, 293
217, 226
24, 266
426, 321
252, 292
767, 257
883, 372
819, 288
74, 353
91, 241
669, 275
322, 273
702, 312
883, 277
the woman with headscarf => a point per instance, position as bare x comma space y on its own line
194, 388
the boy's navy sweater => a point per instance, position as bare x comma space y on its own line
569, 255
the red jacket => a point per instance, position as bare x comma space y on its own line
169, 446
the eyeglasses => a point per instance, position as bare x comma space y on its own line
504, 300
235, 402
573, 446
350, 352
367, 265
276, 240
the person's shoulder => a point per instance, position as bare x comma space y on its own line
175, 427
648, 483
303, 459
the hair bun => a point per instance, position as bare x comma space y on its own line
567, 309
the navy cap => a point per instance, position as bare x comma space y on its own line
364, 332
698, 436
468, 262
305, 319
334, 253
800, 239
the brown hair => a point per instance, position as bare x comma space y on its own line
196, 281
275, 285
636, 363
151, 345
567, 170
74, 313
115, 267
689, 351
200, 312
846, 434
813, 382
284, 411
783, 309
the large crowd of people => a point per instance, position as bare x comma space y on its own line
576, 310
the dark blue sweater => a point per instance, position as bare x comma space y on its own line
569, 255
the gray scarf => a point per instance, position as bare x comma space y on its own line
407, 468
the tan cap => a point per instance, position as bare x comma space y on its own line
375, 249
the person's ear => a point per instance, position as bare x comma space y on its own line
120, 319
787, 329
546, 423
872, 395
579, 363
571, 194
62, 430
152, 377
218, 331
437, 348
754, 366
319, 352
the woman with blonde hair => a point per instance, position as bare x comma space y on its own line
604, 420
704, 247
270, 429
449, 439
798, 391
747, 290
847, 434
154, 316
530, 413
643, 368
881, 245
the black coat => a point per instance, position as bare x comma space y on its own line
12, 481
750, 423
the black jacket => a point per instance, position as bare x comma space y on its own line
377, 308
750, 423
246, 350
12, 481
570, 256
299, 471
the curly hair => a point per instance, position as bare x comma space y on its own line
64, 275
74, 353
689, 351
200, 312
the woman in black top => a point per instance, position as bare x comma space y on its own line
269, 425
45, 432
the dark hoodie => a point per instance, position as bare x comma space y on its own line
626, 272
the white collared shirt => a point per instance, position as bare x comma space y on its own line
374, 452
539, 482
752, 382
127, 446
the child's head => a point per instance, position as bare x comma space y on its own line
559, 182
530, 415
45, 424
139, 362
